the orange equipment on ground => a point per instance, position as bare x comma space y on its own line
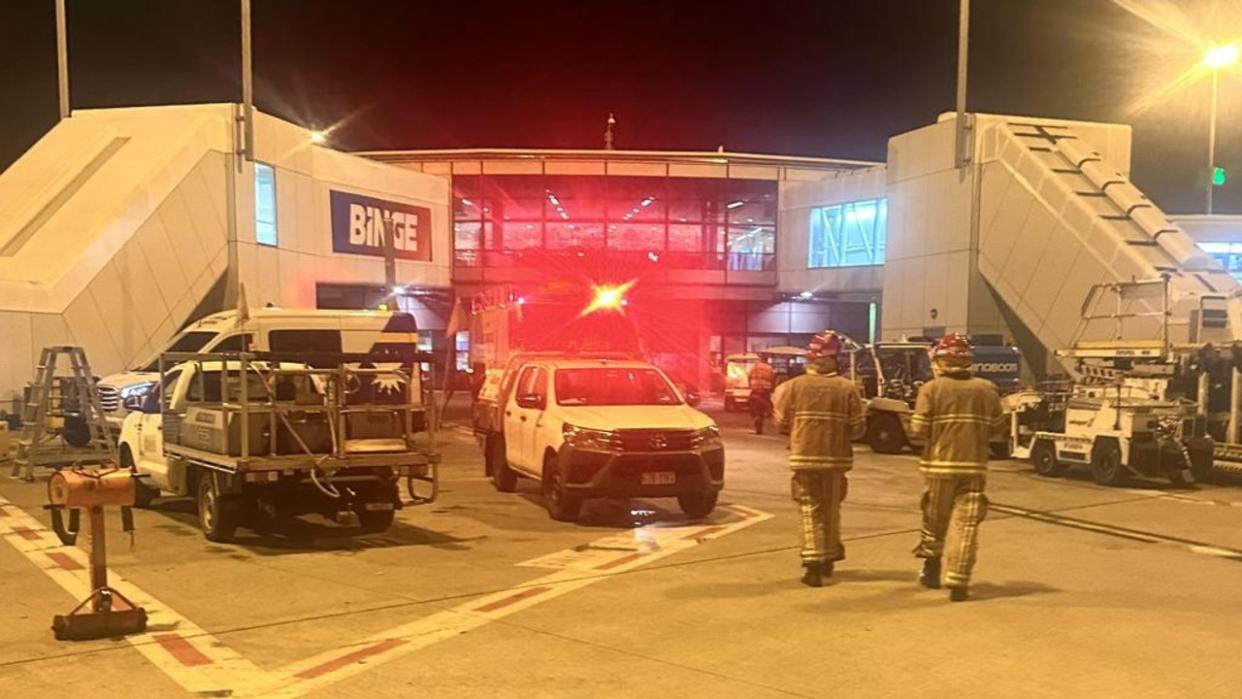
111, 613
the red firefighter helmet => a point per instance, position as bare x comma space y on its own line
828, 344
954, 350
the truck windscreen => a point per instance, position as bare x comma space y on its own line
186, 342
613, 386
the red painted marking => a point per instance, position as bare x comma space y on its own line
27, 534
512, 599
619, 561
65, 561
181, 650
349, 658
705, 532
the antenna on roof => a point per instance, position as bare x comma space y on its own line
608, 137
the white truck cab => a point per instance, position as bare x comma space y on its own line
588, 428
264, 330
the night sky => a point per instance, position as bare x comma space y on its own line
830, 78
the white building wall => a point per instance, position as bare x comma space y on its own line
793, 235
114, 228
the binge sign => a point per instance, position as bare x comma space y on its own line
358, 226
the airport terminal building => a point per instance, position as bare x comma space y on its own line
121, 225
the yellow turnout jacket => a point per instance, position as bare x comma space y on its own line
825, 414
957, 414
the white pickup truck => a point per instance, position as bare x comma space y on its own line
288, 440
599, 428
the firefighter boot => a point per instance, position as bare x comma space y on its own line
930, 577
813, 575
959, 594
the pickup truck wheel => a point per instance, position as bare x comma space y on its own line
885, 435
561, 505
143, 493
698, 505
1044, 459
375, 521
1106, 466
218, 516
503, 477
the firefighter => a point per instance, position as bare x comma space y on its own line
761, 378
957, 413
824, 413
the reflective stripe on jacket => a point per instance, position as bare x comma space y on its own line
825, 414
958, 415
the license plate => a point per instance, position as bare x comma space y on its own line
659, 478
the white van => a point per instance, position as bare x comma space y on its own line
269, 330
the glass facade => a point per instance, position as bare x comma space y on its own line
1228, 254
265, 204
848, 235
697, 223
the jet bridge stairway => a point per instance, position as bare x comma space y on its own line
1055, 219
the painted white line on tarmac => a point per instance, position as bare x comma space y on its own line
575, 569
202, 664
181, 649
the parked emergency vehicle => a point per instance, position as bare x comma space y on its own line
598, 428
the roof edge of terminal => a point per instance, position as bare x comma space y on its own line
535, 154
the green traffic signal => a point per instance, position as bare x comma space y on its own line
1218, 176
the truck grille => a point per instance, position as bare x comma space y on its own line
109, 399
656, 440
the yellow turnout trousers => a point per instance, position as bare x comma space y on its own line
953, 507
819, 493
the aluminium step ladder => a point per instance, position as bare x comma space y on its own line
75, 397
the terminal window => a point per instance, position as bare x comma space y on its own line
1228, 254
265, 204
848, 235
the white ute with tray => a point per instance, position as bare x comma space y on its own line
290, 439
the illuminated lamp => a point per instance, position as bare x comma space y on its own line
1222, 56
806, 295
608, 298
318, 137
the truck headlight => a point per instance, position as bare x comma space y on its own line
586, 438
707, 438
137, 389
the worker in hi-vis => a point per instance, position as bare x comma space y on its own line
958, 414
824, 413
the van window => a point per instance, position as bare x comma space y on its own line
234, 343
304, 341
185, 342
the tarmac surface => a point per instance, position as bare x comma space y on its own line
1080, 590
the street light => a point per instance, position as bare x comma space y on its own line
1215, 59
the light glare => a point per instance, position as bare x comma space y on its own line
1221, 56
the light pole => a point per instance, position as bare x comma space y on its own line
1214, 60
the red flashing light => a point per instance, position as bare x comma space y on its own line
608, 298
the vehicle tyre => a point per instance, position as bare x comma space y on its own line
759, 424
1182, 479
218, 515
561, 505
143, 493
999, 451
1202, 464
1106, 466
375, 521
729, 405
503, 477
1044, 459
698, 505
885, 434
76, 432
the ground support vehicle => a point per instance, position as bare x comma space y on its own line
599, 428
261, 434
890, 374
281, 330
1131, 425
737, 380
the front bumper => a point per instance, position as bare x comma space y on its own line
591, 473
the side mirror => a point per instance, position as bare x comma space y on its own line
151, 402
532, 401
132, 403
693, 399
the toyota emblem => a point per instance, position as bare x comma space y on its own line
659, 442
